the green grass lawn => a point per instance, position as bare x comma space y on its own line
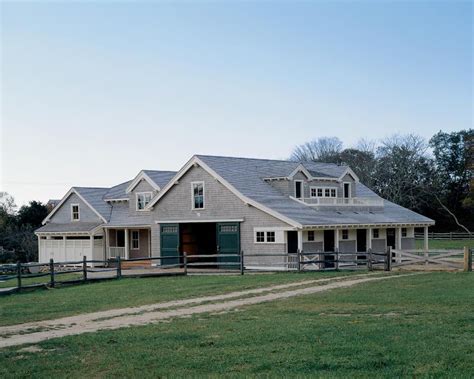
446, 244
417, 326
127, 292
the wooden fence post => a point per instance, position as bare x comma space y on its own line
369, 262
119, 267
18, 275
185, 263
84, 268
241, 262
51, 272
467, 259
388, 259
298, 254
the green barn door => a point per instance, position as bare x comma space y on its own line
169, 242
228, 242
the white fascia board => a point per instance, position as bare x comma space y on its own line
69, 193
195, 160
350, 172
141, 175
302, 169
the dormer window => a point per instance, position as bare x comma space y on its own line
323, 192
143, 198
75, 215
298, 189
198, 195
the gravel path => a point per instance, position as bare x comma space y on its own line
118, 318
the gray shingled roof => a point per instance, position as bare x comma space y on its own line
160, 177
117, 192
72, 227
95, 197
121, 216
247, 175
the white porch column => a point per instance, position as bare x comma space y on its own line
369, 238
39, 249
425, 239
64, 249
398, 243
126, 244
300, 240
92, 247
149, 242
336, 239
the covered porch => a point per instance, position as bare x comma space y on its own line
128, 242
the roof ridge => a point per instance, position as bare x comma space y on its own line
269, 160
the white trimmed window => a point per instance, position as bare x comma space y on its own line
135, 240
345, 234
375, 233
75, 213
270, 236
323, 192
143, 198
404, 232
198, 195
310, 235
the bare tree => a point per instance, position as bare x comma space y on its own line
324, 149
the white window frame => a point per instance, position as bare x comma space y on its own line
404, 231
350, 189
137, 195
302, 189
78, 212
373, 233
342, 234
323, 189
313, 234
265, 236
132, 239
203, 196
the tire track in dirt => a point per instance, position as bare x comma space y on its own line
86, 324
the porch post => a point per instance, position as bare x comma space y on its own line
398, 243
149, 242
91, 238
39, 248
369, 238
300, 240
336, 239
126, 243
425, 239
64, 248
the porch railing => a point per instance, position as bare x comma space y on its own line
116, 251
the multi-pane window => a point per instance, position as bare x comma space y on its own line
323, 192
75, 212
260, 237
404, 232
135, 240
198, 195
345, 234
270, 236
310, 235
143, 198
375, 233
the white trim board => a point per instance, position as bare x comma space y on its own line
142, 176
195, 160
63, 200
197, 221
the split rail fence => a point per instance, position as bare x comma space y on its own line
22, 276
446, 236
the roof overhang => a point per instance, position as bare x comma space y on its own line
351, 173
195, 161
371, 225
142, 176
63, 200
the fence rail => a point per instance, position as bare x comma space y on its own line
74, 272
446, 236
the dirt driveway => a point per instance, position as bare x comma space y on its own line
35, 332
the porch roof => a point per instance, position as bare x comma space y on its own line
73, 227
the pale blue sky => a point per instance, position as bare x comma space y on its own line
92, 92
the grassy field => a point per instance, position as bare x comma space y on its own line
53, 303
416, 326
446, 244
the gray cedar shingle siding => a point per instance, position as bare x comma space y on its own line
63, 214
142, 186
220, 204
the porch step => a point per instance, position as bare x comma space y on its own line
136, 264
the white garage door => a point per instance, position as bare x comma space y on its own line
74, 250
